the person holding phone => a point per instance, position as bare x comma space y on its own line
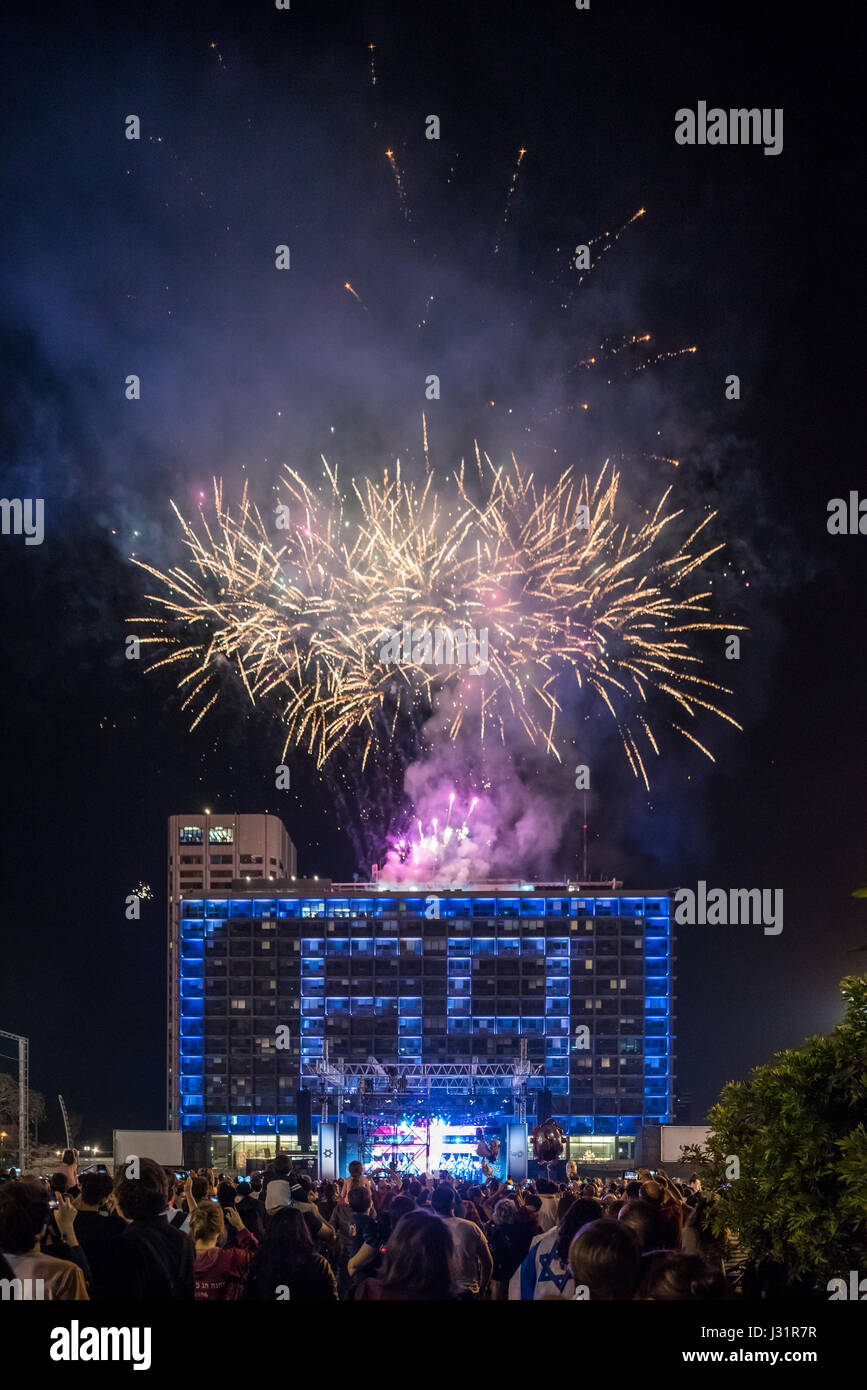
25, 1216
220, 1272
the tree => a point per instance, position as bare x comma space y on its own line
9, 1106
798, 1127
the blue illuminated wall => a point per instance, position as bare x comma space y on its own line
386, 976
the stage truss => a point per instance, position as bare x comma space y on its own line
410, 1082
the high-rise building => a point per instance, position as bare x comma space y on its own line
269, 982
209, 853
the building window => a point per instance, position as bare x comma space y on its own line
221, 835
191, 859
191, 835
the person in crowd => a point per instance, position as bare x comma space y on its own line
226, 1193
303, 1196
287, 1266
567, 1199
670, 1275
366, 1242
327, 1201
545, 1272
490, 1196
693, 1188
401, 1205
68, 1166
59, 1183
155, 1261
250, 1210
196, 1191
652, 1229
531, 1205
176, 1212
98, 1231
356, 1174
605, 1259
473, 1264
59, 1237
509, 1240
661, 1192
220, 1273
548, 1199
277, 1184
24, 1219
344, 1223
418, 1262
724, 1251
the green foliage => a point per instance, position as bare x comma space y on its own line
799, 1128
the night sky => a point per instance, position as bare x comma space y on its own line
156, 257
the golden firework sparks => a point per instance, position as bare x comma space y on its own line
564, 587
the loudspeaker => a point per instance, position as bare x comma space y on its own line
195, 1149
302, 1112
544, 1104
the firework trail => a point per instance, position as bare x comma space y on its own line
355, 295
398, 179
349, 628
371, 48
512, 186
609, 239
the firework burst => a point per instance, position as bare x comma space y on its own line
565, 590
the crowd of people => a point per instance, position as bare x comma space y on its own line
382, 1237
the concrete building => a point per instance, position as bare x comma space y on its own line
212, 853
270, 980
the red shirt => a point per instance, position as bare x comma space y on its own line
220, 1273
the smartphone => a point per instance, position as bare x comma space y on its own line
652, 1172
53, 1203
630, 1175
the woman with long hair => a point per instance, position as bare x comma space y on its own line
417, 1265
220, 1273
509, 1240
287, 1266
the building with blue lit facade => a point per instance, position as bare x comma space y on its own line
263, 978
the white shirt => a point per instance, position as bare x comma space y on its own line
278, 1194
